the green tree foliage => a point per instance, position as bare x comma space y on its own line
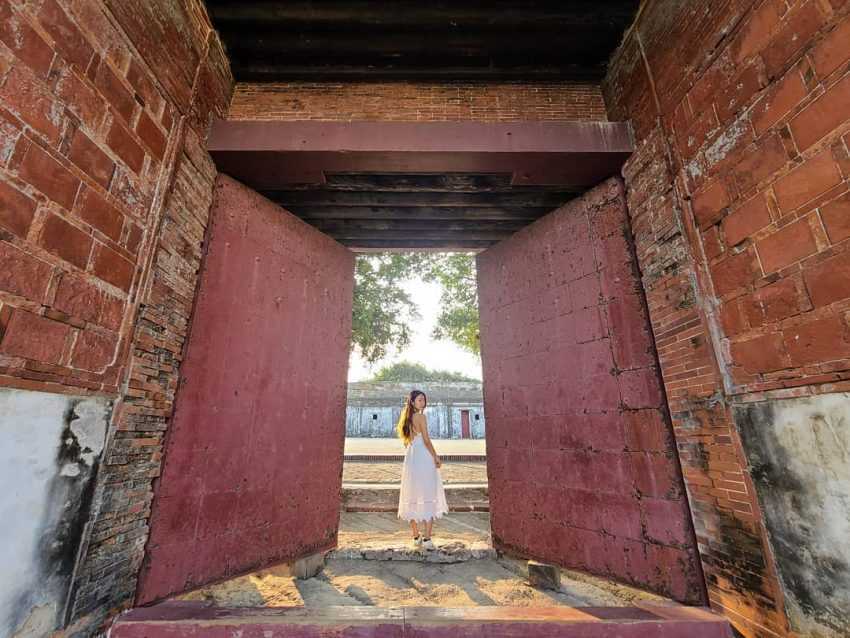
408, 371
458, 318
383, 306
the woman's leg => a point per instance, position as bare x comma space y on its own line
428, 527
414, 528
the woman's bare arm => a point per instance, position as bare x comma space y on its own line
423, 428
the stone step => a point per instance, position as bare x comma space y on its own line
176, 619
383, 497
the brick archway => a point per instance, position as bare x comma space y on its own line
583, 464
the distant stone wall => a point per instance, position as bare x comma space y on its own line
444, 421
374, 408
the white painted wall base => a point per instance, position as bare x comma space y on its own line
51, 445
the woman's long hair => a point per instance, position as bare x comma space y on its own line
404, 428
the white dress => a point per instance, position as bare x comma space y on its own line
422, 496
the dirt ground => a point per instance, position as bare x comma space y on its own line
375, 564
395, 583
401, 583
385, 530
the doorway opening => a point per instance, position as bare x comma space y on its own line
370, 560
415, 327
570, 383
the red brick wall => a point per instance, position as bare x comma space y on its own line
104, 187
738, 195
580, 455
253, 457
420, 101
80, 159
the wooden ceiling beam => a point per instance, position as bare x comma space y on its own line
525, 199
413, 182
249, 69
440, 245
339, 40
432, 15
423, 48
418, 212
432, 235
341, 226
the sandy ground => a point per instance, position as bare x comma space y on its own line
397, 581
406, 583
384, 472
363, 530
395, 446
478, 582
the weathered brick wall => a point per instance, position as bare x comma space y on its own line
80, 160
104, 188
107, 576
254, 452
580, 456
738, 194
419, 101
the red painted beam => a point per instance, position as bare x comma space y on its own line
419, 137
178, 620
271, 154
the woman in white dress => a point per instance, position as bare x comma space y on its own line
422, 497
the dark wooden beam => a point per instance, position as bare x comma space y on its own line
432, 15
248, 69
419, 49
527, 199
432, 235
418, 212
421, 182
340, 227
379, 245
407, 39
390, 182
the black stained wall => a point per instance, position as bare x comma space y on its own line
50, 452
799, 457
